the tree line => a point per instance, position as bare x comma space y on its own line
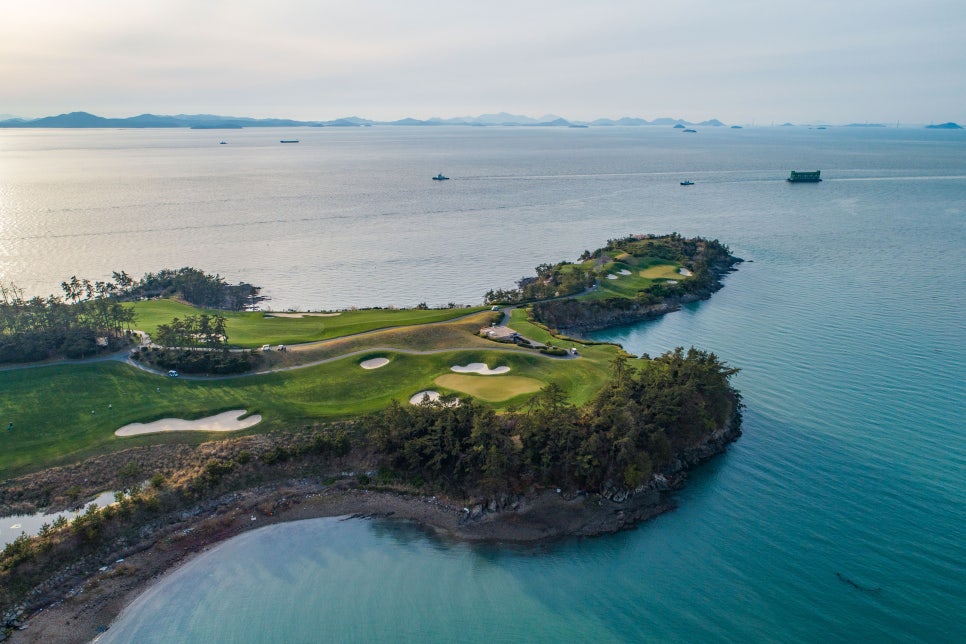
195, 344
89, 317
198, 288
650, 412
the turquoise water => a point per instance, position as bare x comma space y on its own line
847, 323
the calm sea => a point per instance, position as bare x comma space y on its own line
847, 323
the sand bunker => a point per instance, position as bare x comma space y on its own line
624, 271
611, 276
374, 363
480, 368
228, 421
417, 399
301, 315
672, 282
685, 272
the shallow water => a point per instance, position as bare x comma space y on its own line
846, 322
12, 526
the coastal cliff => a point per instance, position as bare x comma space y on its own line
551, 513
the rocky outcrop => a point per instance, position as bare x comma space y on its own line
575, 317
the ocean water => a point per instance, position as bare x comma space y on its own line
846, 320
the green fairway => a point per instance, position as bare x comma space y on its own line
66, 412
253, 329
51, 407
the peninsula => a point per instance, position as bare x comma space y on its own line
484, 423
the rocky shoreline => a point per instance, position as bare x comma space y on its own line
92, 601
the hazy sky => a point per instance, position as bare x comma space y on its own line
737, 60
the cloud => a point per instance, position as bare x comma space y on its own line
306, 59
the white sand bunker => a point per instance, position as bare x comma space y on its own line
624, 271
424, 396
374, 363
227, 421
685, 272
611, 276
301, 315
672, 281
480, 368
430, 396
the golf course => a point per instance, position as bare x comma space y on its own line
298, 369
64, 412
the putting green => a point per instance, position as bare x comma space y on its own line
661, 271
489, 388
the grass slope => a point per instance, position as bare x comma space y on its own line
253, 329
53, 424
644, 271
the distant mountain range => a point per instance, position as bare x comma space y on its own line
212, 121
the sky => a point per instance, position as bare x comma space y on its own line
741, 61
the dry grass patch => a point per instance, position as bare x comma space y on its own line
461, 334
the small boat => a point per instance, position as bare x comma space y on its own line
687, 182
689, 130
289, 141
440, 177
223, 143
805, 177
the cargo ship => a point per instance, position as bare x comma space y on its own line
805, 177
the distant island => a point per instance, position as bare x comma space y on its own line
501, 119
212, 122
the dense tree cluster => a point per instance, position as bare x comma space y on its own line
194, 331
89, 317
638, 423
196, 287
454, 444
195, 344
552, 280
